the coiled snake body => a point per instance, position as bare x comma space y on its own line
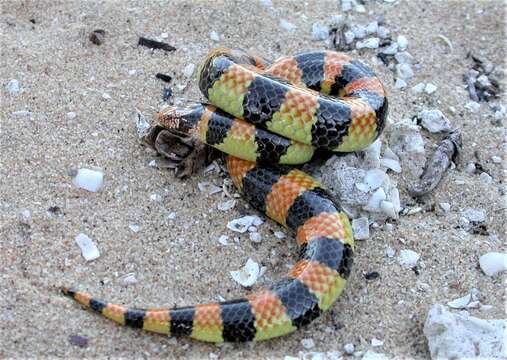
319, 99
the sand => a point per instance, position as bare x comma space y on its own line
180, 261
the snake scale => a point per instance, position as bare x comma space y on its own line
267, 115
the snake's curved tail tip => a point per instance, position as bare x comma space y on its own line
70, 292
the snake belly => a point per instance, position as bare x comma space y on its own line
269, 115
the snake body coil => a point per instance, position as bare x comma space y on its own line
269, 115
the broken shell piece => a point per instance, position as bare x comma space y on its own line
88, 179
88, 248
493, 263
408, 258
469, 301
248, 275
241, 225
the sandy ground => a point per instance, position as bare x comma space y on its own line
180, 261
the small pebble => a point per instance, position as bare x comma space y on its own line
88, 179
402, 42
13, 87
360, 8
106, 96
474, 215
349, 348
349, 36
470, 168
383, 32
496, 159
255, 237
248, 275
346, 5
25, 216
376, 342
434, 121
88, 248
493, 263
241, 225
188, 70
473, 106
430, 88
97, 36
359, 31
388, 209
71, 115
419, 88
361, 228
223, 239
279, 234
371, 43
320, 32
404, 71
469, 301
213, 35
485, 178
134, 227
155, 197
372, 28
390, 50
78, 340
404, 57
375, 199
284, 24
308, 343
394, 165
408, 258
129, 279
400, 84
171, 216
390, 252
22, 113
446, 207
226, 205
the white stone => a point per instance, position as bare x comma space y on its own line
391, 49
493, 263
25, 216
134, 227
320, 32
434, 121
496, 159
361, 228
360, 8
383, 32
371, 355
188, 71
460, 336
474, 215
223, 239
213, 35
446, 207
255, 237
155, 197
394, 165
13, 87
419, 88
470, 168
88, 248
349, 36
171, 216
388, 209
469, 301
248, 275
129, 279
349, 348
88, 179
372, 27
374, 179
408, 258
376, 342
359, 31
473, 106
308, 343
485, 178
370, 43
483, 81
404, 71
279, 234
284, 24
226, 205
404, 57
402, 42
400, 84
71, 115
390, 252
106, 96
242, 224
375, 199
346, 5
430, 88
406, 142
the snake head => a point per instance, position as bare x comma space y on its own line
182, 118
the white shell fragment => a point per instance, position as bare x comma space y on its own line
361, 228
134, 227
308, 343
493, 263
71, 115
241, 225
226, 205
88, 179
223, 239
284, 24
188, 71
434, 121
469, 301
279, 234
461, 336
129, 279
255, 237
376, 342
430, 88
349, 348
402, 42
394, 165
408, 258
88, 248
248, 275
371, 43
213, 35
474, 215
13, 87
320, 32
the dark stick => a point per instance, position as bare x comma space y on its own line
153, 44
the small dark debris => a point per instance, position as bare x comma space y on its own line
385, 58
78, 340
446, 151
477, 228
372, 275
56, 210
415, 270
97, 36
167, 94
153, 44
32, 21
486, 89
164, 77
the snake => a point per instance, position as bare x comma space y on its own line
269, 117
